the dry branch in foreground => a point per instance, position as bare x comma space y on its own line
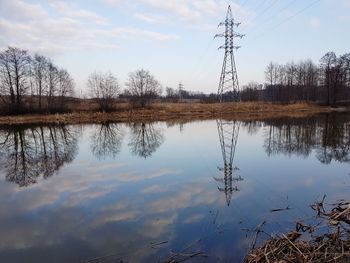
327, 240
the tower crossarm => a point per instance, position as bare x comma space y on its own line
234, 34
230, 48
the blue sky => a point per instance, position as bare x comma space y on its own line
173, 39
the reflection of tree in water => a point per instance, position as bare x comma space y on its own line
145, 139
328, 135
180, 123
290, 136
107, 140
30, 152
252, 127
335, 140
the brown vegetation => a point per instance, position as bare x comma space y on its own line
307, 243
84, 112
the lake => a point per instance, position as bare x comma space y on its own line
155, 192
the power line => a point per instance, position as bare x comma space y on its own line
268, 7
271, 16
199, 62
261, 4
286, 20
244, 3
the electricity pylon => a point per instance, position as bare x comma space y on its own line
228, 135
228, 78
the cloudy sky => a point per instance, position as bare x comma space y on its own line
173, 39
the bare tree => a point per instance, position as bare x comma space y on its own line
270, 73
104, 88
342, 76
311, 79
143, 87
52, 82
39, 72
328, 62
171, 93
335, 70
274, 74
250, 92
65, 87
14, 73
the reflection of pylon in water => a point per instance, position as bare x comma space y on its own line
228, 134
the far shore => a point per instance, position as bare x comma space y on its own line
180, 112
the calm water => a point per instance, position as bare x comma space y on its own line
141, 192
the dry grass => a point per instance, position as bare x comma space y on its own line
307, 243
242, 107
175, 111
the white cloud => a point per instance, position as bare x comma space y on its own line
345, 18
20, 10
130, 32
194, 218
199, 14
346, 3
62, 26
87, 195
154, 189
150, 18
115, 3
115, 217
69, 10
83, 185
154, 228
315, 22
137, 176
197, 11
190, 195
180, 8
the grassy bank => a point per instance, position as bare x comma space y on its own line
176, 111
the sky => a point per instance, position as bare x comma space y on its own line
173, 39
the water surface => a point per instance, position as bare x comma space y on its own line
140, 192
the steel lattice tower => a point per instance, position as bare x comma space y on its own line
228, 135
228, 78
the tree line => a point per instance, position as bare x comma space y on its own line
32, 83
328, 82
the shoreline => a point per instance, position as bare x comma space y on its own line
178, 111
